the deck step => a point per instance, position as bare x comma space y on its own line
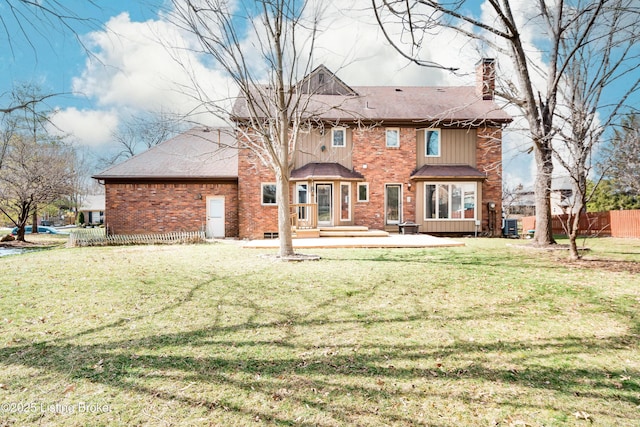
345, 228
306, 233
353, 233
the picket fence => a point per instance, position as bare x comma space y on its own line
610, 223
99, 237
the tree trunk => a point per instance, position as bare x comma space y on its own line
284, 220
544, 230
574, 217
573, 236
34, 221
23, 215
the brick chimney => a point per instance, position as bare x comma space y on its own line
486, 78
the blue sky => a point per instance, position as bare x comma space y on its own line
52, 55
129, 72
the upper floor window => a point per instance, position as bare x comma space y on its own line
432, 142
338, 137
393, 137
268, 194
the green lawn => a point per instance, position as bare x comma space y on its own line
483, 335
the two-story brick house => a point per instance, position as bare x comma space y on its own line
378, 156
388, 155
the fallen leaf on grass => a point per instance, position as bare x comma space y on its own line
581, 415
69, 389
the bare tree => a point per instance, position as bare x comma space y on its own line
266, 71
622, 162
141, 132
584, 113
33, 174
25, 19
505, 33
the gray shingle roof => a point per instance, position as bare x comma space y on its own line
199, 153
324, 171
447, 171
459, 105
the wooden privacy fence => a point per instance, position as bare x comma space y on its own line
611, 223
99, 237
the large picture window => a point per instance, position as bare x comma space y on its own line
456, 200
432, 142
268, 194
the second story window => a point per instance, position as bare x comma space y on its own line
338, 137
393, 137
432, 142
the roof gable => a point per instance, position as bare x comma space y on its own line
322, 81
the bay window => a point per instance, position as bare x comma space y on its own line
455, 200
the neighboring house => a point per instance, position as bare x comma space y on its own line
523, 202
379, 156
92, 207
188, 183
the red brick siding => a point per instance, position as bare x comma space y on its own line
384, 166
489, 159
165, 207
254, 218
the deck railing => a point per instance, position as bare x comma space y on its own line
304, 215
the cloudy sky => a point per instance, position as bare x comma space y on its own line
118, 67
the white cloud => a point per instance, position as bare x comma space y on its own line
133, 71
134, 68
87, 127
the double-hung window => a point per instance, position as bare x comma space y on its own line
432, 142
268, 194
338, 137
393, 138
363, 192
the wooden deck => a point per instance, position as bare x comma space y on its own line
343, 231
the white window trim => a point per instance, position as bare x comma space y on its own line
436, 183
439, 142
366, 185
387, 137
400, 202
348, 218
303, 213
262, 185
344, 138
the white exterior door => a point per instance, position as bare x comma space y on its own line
215, 217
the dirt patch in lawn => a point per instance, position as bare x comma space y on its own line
607, 265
